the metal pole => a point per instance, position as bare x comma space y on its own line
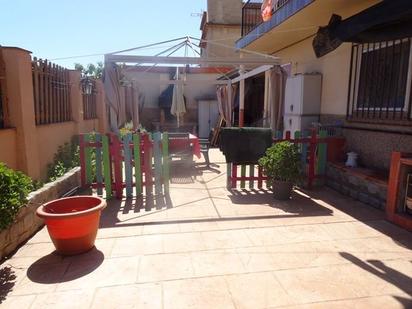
230, 100
266, 99
241, 96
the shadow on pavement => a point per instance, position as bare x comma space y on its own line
7, 282
41, 272
384, 272
299, 204
372, 217
141, 204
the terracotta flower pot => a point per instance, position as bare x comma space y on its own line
72, 222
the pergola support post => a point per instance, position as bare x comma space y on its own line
241, 98
230, 100
266, 99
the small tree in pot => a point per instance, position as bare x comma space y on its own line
281, 164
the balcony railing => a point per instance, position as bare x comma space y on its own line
252, 16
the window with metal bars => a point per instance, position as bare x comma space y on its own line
380, 81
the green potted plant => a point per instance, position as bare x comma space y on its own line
281, 164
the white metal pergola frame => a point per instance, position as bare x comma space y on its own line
261, 62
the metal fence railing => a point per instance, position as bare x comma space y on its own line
51, 91
379, 81
252, 15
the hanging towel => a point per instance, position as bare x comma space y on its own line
244, 145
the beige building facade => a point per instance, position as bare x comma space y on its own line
289, 35
220, 27
200, 84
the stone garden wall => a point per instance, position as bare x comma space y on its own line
360, 187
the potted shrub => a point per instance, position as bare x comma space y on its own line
281, 164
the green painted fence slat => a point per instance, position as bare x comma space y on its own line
128, 164
99, 175
251, 174
278, 134
88, 158
242, 174
137, 166
297, 135
166, 162
106, 166
157, 162
149, 174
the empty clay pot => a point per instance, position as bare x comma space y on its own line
72, 222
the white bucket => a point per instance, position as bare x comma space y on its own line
352, 159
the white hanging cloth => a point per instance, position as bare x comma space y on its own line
178, 108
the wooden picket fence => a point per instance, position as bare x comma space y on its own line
51, 91
137, 162
313, 148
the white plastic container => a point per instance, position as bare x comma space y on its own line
352, 159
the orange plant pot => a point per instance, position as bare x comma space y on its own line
72, 222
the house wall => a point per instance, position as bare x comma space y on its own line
334, 68
222, 28
26, 146
374, 147
224, 12
152, 91
223, 38
8, 147
49, 138
373, 142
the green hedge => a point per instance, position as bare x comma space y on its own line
14, 188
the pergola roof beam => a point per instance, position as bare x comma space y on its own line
192, 60
144, 81
251, 73
146, 46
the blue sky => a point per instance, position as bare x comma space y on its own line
63, 28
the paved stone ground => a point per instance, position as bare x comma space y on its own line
204, 247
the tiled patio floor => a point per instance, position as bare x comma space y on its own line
204, 247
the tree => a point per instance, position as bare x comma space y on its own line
91, 70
